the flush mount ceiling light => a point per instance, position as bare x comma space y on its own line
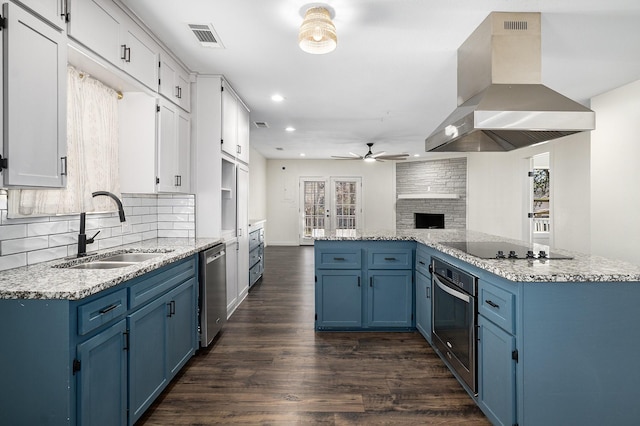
317, 33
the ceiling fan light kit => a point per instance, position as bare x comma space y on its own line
317, 33
370, 157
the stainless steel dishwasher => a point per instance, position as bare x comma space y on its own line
213, 293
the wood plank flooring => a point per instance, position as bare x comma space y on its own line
269, 367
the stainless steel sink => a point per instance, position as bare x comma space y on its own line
119, 260
99, 264
130, 257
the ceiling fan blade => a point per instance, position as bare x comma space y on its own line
394, 157
355, 155
345, 158
377, 154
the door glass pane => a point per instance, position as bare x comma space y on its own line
345, 208
314, 209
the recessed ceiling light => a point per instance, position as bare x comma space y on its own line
277, 98
416, 155
302, 154
290, 129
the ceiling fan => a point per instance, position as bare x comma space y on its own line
371, 157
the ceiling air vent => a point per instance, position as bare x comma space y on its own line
515, 25
279, 149
206, 35
261, 124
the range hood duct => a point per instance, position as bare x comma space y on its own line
502, 103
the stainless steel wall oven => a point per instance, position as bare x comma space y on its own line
455, 312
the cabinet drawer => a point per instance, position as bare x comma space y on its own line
422, 262
254, 273
254, 239
497, 305
92, 315
390, 259
159, 283
339, 259
254, 256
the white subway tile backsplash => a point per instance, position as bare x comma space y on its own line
45, 255
10, 232
25, 241
23, 245
47, 228
13, 261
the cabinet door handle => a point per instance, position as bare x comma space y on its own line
422, 263
428, 292
172, 308
63, 166
126, 53
370, 281
177, 92
338, 258
239, 149
126, 340
492, 304
390, 258
108, 308
358, 281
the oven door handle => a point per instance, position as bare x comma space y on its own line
449, 290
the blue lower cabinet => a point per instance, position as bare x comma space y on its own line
181, 326
423, 305
496, 373
102, 378
147, 356
338, 299
390, 299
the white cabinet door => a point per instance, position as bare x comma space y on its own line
183, 154
35, 100
96, 24
167, 169
140, 55
53, 11
243, 229
244, 124
232, 277
173, 149
229, 142
174, 82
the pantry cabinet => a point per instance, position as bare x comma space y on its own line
35, 91
235, 125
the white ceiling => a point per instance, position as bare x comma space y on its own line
392, 79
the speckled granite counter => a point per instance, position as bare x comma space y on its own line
49, 281
582, 268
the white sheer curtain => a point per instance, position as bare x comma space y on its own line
92, 154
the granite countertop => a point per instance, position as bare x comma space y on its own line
582, 268
49, 280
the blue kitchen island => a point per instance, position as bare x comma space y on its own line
557, 339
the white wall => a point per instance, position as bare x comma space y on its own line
615, 155
257, 186
498, 191
283, 220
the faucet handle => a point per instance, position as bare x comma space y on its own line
90, 240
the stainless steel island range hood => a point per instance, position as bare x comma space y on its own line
502, 103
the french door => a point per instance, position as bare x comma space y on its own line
329, 206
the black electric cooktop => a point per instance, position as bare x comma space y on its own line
502, 250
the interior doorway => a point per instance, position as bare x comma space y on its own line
540, 199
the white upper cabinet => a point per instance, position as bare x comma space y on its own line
54, 11
34, 100
173, 149
235, 125
174, 82
106, 29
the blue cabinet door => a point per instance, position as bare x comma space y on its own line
390, 298
147, 355
496, 373
181, 326
338, 299
102, 379
423, 305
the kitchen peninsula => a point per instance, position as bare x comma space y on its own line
557, 338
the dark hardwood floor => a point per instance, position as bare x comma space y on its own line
269, 367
